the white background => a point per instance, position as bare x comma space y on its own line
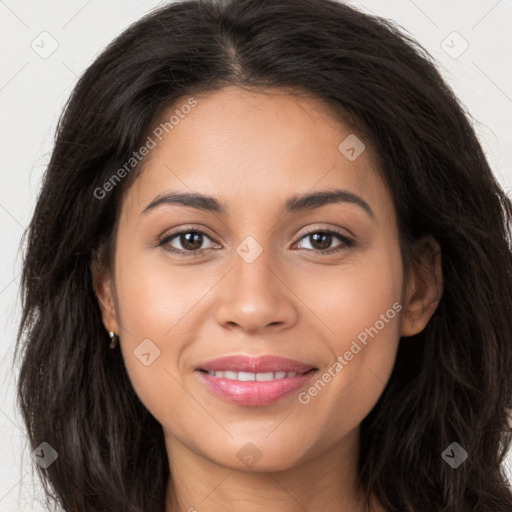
33, 91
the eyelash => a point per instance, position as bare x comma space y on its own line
347, 242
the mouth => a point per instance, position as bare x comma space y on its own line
256, 382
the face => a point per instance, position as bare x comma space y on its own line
259, 270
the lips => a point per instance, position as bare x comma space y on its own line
251, 381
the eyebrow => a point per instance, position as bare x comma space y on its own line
292, 204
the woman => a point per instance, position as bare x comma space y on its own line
280, 220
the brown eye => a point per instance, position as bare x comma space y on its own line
186, 241
321, 241
191, 241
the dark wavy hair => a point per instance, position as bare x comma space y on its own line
450, 383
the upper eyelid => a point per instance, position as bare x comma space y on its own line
187, 229
335, 231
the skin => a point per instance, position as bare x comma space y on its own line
253, 150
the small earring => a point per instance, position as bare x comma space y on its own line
113, 337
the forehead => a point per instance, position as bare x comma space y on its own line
256, 148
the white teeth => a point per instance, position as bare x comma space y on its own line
262, 377
249, 376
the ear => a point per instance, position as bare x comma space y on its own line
103, 287
423, 286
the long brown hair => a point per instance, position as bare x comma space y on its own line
451, 383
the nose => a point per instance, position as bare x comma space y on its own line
255, 298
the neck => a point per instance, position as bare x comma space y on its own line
326, 482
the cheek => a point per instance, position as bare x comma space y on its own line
359, 308
365, 309
155, 295
355, 298
153, 303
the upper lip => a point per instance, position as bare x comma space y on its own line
261, 364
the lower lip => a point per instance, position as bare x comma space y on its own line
254, 393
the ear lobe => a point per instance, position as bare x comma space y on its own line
423, 287
103, 287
